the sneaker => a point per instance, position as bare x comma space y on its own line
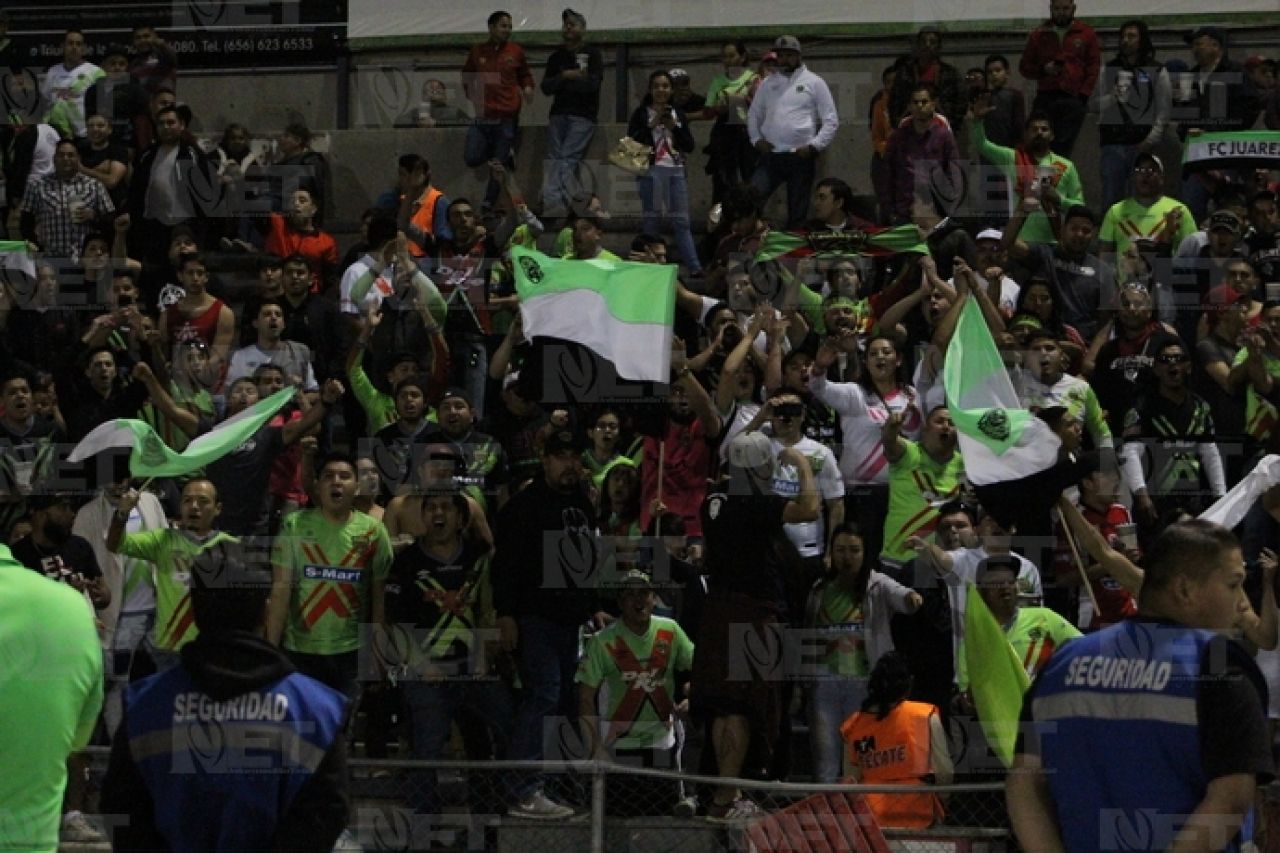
741, 809
78, 829
540, 807
688, 807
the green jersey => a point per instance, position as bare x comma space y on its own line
172, 552
723, 86
331, 572
50, 696
918, 487
639, 678
843, 628
1023, 174
1034, 633
1260, 415
1128, 221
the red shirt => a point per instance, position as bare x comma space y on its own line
318, 247
687, 464
1115, 602
494, 77
1079, 57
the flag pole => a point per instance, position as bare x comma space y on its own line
662, 463
1075, 553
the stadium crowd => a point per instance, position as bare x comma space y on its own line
464, 545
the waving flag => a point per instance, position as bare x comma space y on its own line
997, 679
151, 457
619, 310
999, 440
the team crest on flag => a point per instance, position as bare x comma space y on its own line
153, 450
531, 269
995, 425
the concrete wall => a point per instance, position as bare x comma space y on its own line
384, 86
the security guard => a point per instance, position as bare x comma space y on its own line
1150, 734
232, 750
892, 741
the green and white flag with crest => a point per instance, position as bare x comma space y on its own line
621, 311
999, 440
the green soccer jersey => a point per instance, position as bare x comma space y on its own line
331, 572
1128, 221
842, 626
1035, 633
172, 552
1021, 172
639, 678
918, 487
1260, 415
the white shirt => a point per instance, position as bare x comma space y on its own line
862, 457
809, 537
292, 357
382, 286
60, 84
42, 156
162, 192
791, 111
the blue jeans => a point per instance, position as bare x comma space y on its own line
831, 702
433, 706
666, 188
490, 139
568, 138
548, 661
1116, 166
796, 172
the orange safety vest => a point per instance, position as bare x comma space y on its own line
895, 750
424, 217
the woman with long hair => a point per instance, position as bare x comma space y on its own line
850, 609
864, 406
730, 156
661, 125
893, 741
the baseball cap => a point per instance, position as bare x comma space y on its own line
633, 579
568, 14
989, 234
1147, 155
455, 391
751, 451
1224, 219
787, 43
561, 439
997, 563
1218, 34
678, 74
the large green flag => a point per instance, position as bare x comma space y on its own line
997, 679
619, 310
151, 457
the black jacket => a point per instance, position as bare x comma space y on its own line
197, 178
639, 130
547, 560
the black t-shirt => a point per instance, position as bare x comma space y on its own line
434, 595
1264, 254
1230, 712
1228, 409
747, 548
1170, 432
114, 152
75, 556
242, 477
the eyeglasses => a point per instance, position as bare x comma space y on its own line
1173, 359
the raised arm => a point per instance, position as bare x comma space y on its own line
184, 419
699, 400
329, 396
1089, 538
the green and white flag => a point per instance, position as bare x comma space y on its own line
621, 311
18, 269
151, 457
1238, 150
999, 440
